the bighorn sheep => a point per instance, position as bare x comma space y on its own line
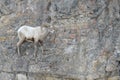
33, 34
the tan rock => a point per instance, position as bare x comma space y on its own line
114, 78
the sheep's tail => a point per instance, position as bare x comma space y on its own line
20, 35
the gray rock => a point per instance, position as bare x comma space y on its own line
6, 76
85, 45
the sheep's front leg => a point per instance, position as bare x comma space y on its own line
41, 44
35, 49
41, 48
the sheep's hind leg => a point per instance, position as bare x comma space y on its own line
35, 49
18, 45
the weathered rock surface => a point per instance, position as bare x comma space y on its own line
85, 45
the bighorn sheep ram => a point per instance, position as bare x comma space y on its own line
33, 34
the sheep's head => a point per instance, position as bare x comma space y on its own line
52, 29
49, 27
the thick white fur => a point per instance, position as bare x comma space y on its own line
28, 32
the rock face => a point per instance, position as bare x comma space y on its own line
84, 46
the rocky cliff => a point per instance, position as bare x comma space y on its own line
85, 45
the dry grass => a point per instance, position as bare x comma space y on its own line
3, 39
